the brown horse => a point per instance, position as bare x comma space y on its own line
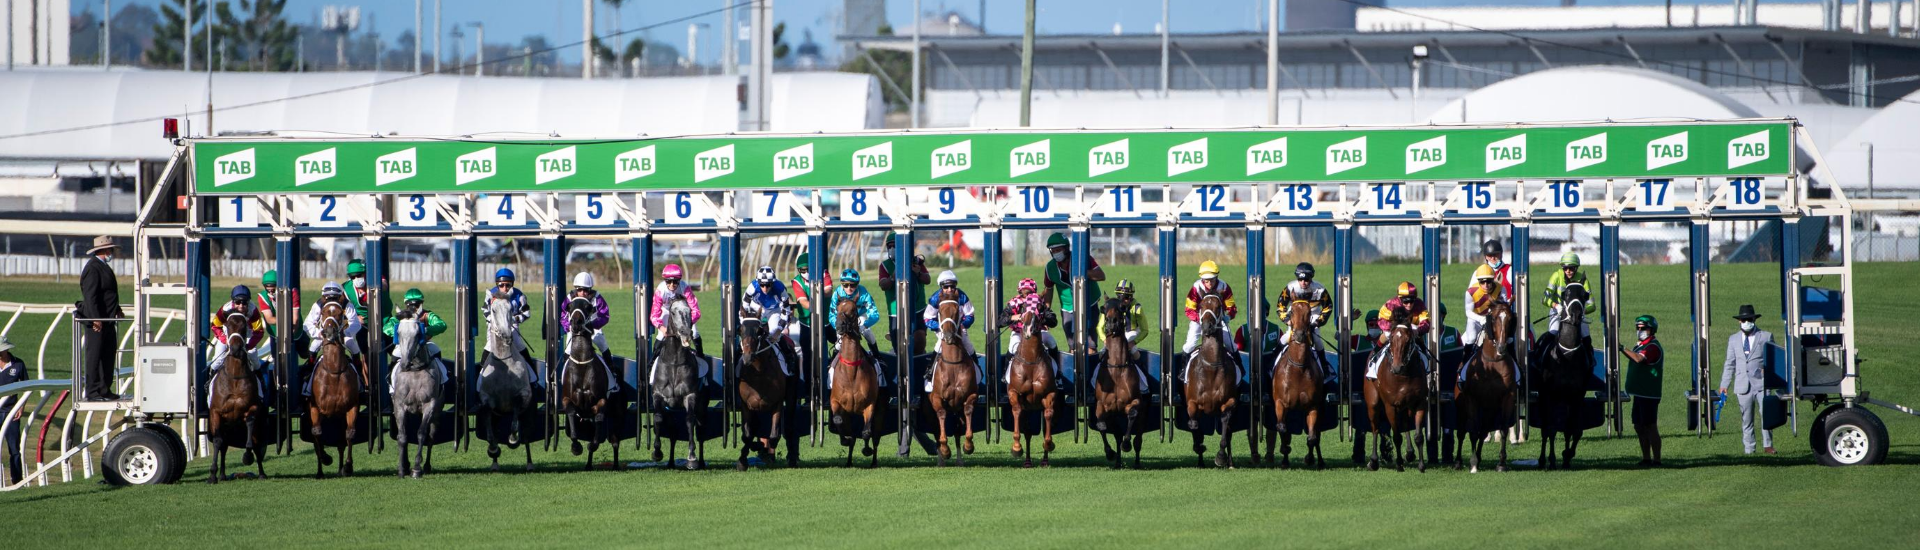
1211, 388
336, 389
1486, 400
583, 390
1297, 388
236, 398
1030, 385
1397, 399
763, 393
856, 383
956, 384
1116, 387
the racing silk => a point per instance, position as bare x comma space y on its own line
802, 290
1413, 308
595, 321
313, 324
1311, 293
1058, 279
1271, 338
221, 331
932, 314
663, 295
519, 301
432, 321
264, 301
862, 307
357, 297
916, 285
1137, 320
1558, 282
1221, 288
1502, 275
1019, 306
772, 305
1480, 301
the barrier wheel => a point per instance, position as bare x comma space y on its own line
139, 456
1850, 437
179, 449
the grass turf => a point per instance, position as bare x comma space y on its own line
1709, 492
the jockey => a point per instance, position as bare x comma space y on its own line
356, 287
1136, 327
801, 293
1569, 274
414, 310
1210, 284
863, 309
1303, 289
1027, 299
1502, 271
769, 299
332, 293
1480, 300
1059, 281
503, 283
583, 288
931, 315
672, 286
255, 330
1405, 303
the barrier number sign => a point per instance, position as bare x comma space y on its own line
1653, 195
1384, 199
1209, 201
1119, 202
595, 209
1033, 202
1475, 197
1563, 196
1298, 199
503, 209
772, 207
327, 211
417, 211
948, 203
1746, 194
860, 205
239, 213
686, 207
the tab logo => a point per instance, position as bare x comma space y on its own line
1187, 157
632, 165
1667, 150
1107, 159
713, 163
314, 166
1587, 151
872, 160
1347, 155
1747, 149
232, 167
793, 162
1266, 156
475, 166
395, 166
553, 165
1029, 158
952, 159
1426, 154
1506, 153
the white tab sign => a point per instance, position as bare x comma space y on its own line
793, 162
1426, 154
1107, 159
1587, 151
1187, 157
872, 160
1029, 158
232, 167
553, 165
396, 166
713, 163
1506, 153
475, 166
952, 159
1346, 155
633, 165
1747, 149
1267, 156
1667, 151
315, 166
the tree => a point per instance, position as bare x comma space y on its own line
897, 66
636, 49
260, 39
167, 33
603, 53
780, 48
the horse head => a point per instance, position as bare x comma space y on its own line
845, 311
407, 343
1573, 314
679, 319
500, 321
1499, 328
1114, 313
1299, 320
333, 322
753, 332
579, 310
237, 326
1212, 322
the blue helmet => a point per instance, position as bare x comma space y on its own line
240, 292
503, 274
849, 275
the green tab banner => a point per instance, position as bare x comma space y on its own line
1746, 148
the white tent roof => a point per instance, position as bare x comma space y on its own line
1894, 135
361, 104
1592, 93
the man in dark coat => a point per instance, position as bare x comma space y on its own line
100, 299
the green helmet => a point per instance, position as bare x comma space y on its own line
1056, 240
414, 295
270, 278
356, 267
1646, 321
802, 262
1569, 260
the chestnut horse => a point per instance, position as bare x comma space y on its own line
956, 384
236, 398
583, 391
856, 383
1297, 388
336, 390
1486, 399
1030, 384
1211, 388
1397, 399
1116, 387
763, 392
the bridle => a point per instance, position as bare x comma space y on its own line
756, 338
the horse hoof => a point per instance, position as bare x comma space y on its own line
319, 476
1284, 464
1422, 467
1500, 468
740, 465
495, 468
1473, 470
657, 456
1045, 464
529, 467
940, 462
1027, 464
1373, 466
213, 479
246, 459
576, 448
416, 474
867, 451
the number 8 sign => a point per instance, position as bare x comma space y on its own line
860, 205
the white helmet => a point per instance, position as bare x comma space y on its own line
583, 280
948, 277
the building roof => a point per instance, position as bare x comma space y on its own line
1338, 38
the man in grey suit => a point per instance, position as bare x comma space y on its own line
1745, 372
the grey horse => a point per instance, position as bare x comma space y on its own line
676, 382
506, 388
416, 394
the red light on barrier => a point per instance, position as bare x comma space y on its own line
170, 128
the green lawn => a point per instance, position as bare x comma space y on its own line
1708, 494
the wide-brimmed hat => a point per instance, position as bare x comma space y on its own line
5, 344
101, 243
1746, 313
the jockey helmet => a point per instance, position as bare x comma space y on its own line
1569, 260
332, 289
1407, 289
1491, 248
1209, 270
1027, 285
1056, 240
240, 292
948, 278
503, 274
583, 280
356, 267
1647, 322
270, 278
849, 275
414, 296
1303, 272
671, 272
1125, 288
766, 275
1484, 273
801, 263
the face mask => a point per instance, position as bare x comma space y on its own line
1375, 334
1059, 256
1747, 326
1644, 335
359, 281
1494, 263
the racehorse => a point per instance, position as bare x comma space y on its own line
1297, 388
1566, 365
236, 398
763, 393
416, 394
676, 382
1397, 399
1211, 385
1116, 388
1030, 384
583, 391
506, 380
955, 380
336, 389
856, 383
1486, 399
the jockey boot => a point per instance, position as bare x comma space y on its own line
1059, 381
699, 347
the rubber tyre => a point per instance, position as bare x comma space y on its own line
1818, 430
179, 447
1850, 437
139, 456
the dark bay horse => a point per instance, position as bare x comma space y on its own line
677, 383
1116, 387
1565, 367
763, 393
1297, 388
856, 383
1486, 400
1211, 388
416, 394
956, 383
1397, 399
583, 391
1030, 385
336, 390
236, 398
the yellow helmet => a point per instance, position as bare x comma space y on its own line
1209, 270
1484, 273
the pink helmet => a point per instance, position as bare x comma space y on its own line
1027, 285
672, 271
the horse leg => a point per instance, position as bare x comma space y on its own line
320, 457
1224, 458
346, 444
254, 445
400, 437
872, 447
1113, 456
1019, 414
696, 451
966, 445
746, 440
424, 449
1573, 444
777, 429
940, 417
1046, 421
1379, 441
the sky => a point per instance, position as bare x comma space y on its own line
507, 21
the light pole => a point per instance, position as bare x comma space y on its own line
436, 36
693, 44
416, 36
479, 48
1273, 62
1419, 57
913, 103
